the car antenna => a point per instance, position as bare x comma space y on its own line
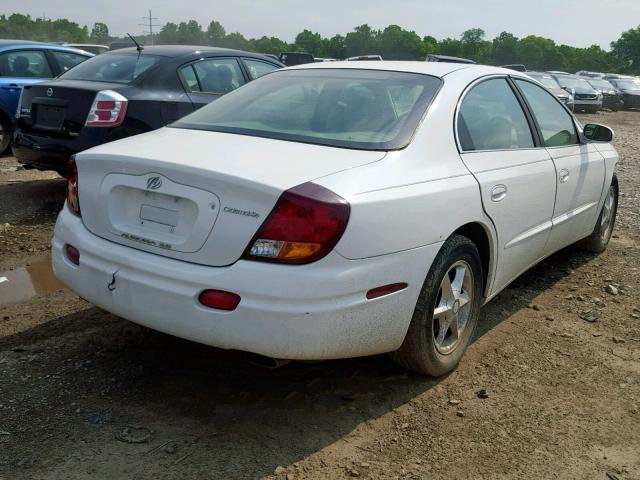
138, 46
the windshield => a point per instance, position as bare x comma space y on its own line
573, 82
113, 67
601, 84
628, 84
546, 80
363, 109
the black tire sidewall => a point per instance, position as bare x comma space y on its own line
418, 351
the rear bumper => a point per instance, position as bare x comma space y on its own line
316, 311
46, 152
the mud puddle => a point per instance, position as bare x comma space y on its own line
26, 282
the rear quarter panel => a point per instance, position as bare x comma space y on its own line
413, 197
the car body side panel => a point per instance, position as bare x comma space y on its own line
580, 178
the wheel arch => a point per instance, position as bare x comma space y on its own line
482, 237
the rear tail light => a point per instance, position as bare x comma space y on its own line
219, 299
73, 199
305, 225
108, 109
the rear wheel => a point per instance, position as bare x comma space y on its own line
599, 239
5, 134
447, 311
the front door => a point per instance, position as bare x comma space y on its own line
580, 168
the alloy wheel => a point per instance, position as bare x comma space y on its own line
606, 220
453, 307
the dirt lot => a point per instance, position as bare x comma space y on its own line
79, 387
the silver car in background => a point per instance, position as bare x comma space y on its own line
565, 96
585, 97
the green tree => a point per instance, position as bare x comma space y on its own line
309, 42
395, 43
473, 42
450, 46
505, 49
215, 33
100, 33
168, 34
362, 41
627, 48
236, 40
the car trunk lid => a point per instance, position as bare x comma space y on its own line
194, 195
59, 107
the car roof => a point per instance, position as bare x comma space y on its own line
182, 50
25, 44
436, 69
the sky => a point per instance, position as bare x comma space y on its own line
579, 23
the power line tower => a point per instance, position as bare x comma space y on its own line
149, 26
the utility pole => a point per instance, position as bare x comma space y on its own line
149, 26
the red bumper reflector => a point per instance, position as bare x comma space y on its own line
385, 290
72, 254
219, 299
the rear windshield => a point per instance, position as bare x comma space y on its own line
598, 83
546, 80
362, 109
573, 82
113, 67
628, 84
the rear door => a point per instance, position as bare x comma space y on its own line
580, 168
210, 78
257, 68
17, 69
516, 176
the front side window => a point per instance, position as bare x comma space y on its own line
25, 64
556, 124
491, 118
68, 60
256, 68
217, 75
113, 67
353, 108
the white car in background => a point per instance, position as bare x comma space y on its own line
337, 210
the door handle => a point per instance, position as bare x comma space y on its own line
563, 176
498, 193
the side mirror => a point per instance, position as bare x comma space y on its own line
597, 133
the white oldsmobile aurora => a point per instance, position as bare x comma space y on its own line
337, 210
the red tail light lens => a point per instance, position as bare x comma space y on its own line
108, 109
73, 199
305, 225
219, 299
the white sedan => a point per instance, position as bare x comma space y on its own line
337, 210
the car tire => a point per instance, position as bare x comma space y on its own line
599, 239
431, 346
5, 134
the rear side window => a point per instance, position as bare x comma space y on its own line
215, 75
556, 124
67, 60
256, 68
491, 118
113, 67
25, 64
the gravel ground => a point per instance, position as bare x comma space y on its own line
84, 394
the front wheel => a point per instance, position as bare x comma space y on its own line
447, 311
599, 239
